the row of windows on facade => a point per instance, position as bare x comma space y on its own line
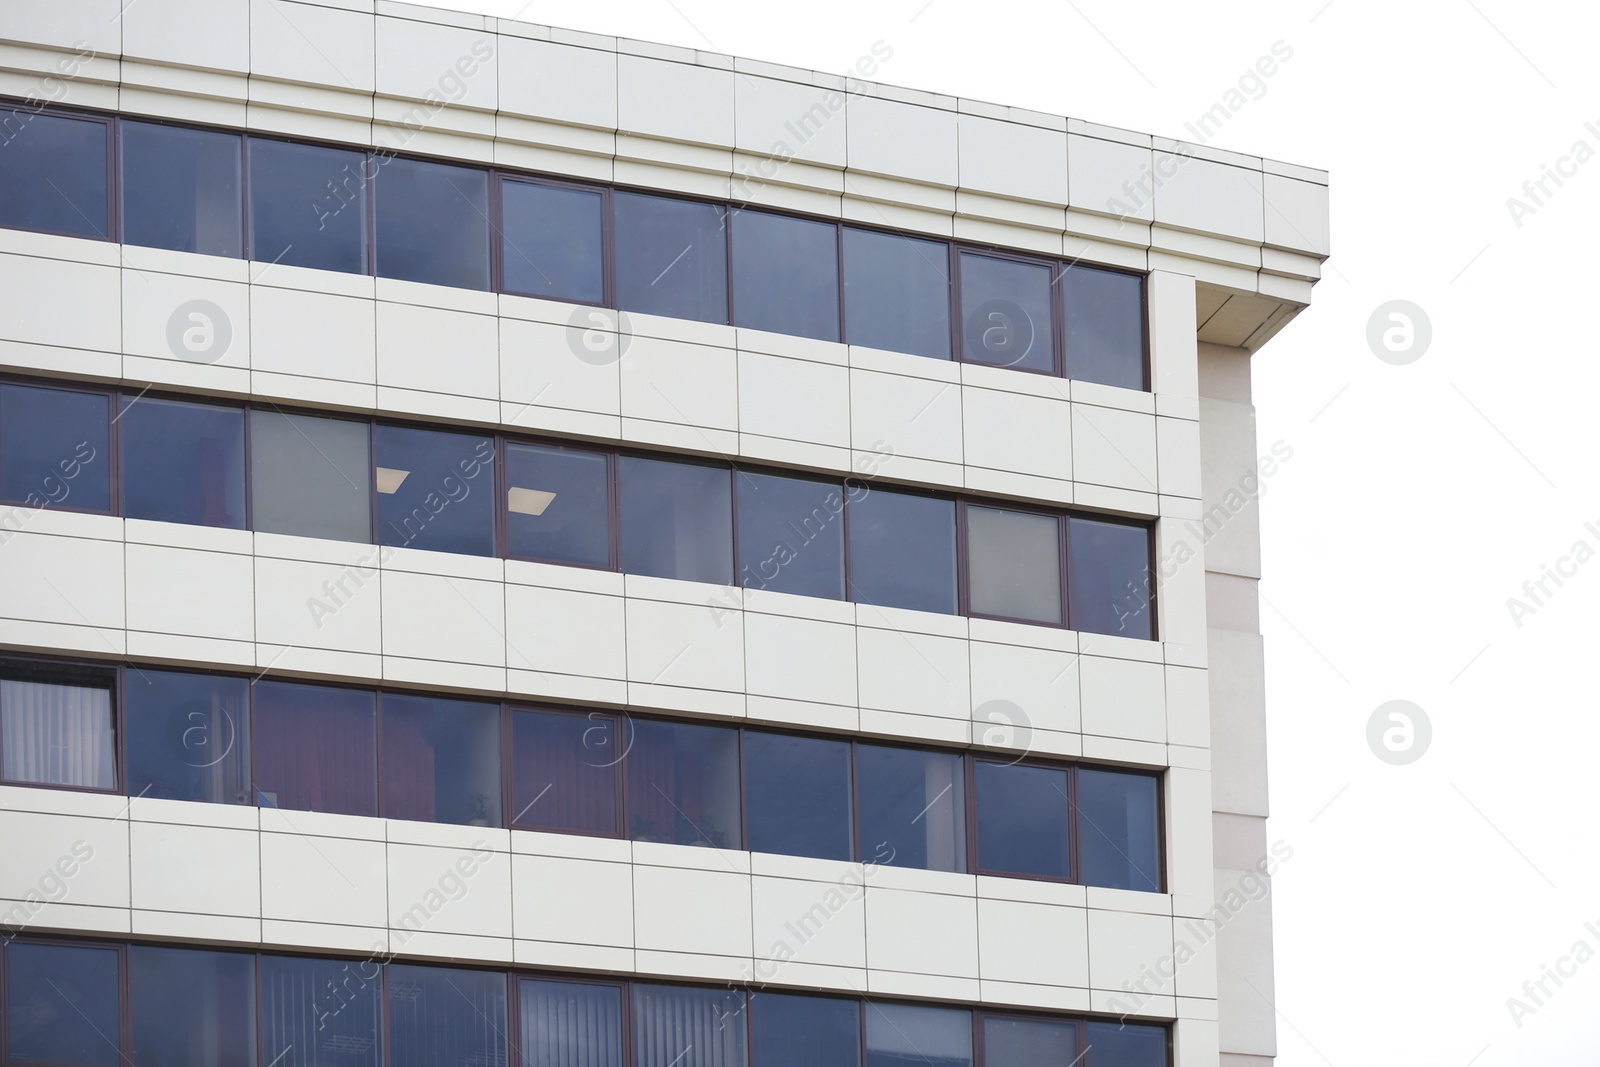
403, 486
88, 1004
307, 205
220, 739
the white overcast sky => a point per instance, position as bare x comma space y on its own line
1419, 498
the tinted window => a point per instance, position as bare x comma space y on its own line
566, 770
435, 490
55, 447
444, 1016
1014, 564
676, 1026
903, 551
61, 1004
897, 293
1022, 820
552, 241
791, 534
1109, 578
571, 1024
1006, 319
56, 727
188, 736
796, 1031
192, 1007
672, 257
913, 808
786, 275
183, 462
909, 1035
310, 476
797, 795
1118, 830
683, 785
441, 760
1029, 1043
1121, 1045
53, 174
558, 504
181, 189
677, 520
433, 223
308, 205
1105, 326
320, 1013
316, 749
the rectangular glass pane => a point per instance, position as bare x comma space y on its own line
798, 1031
183, 462
571, 1024
552, 238
791, 534
192, 1007
677, 519
903, 551
558, 504
1006, 317
54, 174
680, 1026
441, 760
672, 257
683, 784
316, 748
786, 275
1029, 1043
181, 189
1105, 326
1014, 564
1125, 1045
56, 727
565, 773
1022, 820
55, 447
188, 736
912, 809
897, 293
798, 795
320, 1013
441, 1016
1119, 835
61, 1005
1109, 581
910, 1035
432, 222
435, 490
308, 205
310, 476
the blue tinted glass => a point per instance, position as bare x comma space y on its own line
181, 189
558, 503
912, 810
1119, 842
910, 1035
316, 748
1022, 820
183, 462
435, 490
571, 1024
432, 223
1105, 326
679, 1026
55, 448
441, 760
1029, 1043
1109, 582
565, 774
791, 534
677, 519
53, 174
797, 795
683, 784
188, 736
61, 1005
1006, 319
786, 275
672, 257
444, 1016
308, 205
320, 1013
1118, 1045
903, 551
797, 1031
553, 241
897, 293
192, 1007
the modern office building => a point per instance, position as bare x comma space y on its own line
526, 547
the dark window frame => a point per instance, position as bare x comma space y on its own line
1058, 317
68, 665
964, 558
112, 121
113, 441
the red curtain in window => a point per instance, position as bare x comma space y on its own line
316, 749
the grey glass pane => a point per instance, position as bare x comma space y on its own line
677, 519
1105, 326
320, 1013
308, 205
1109, 580
801, 1031
432, 222
681, 1026
797, 795
897, 293
183, 462
903, 551
310, 476
181, 189
571, 1024
192, 1007
912, 808
791, 534
435, 490
56, 726
188, 736
1119, 830
443, 1016
786, 275
909, 1035
1014, 564
441, 760
55, 447
553, 239
683, 784
558, 504
1122, 1045
1022, 820
53, 173
61, 1005
1006, 319
1029, 1043
672, 257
